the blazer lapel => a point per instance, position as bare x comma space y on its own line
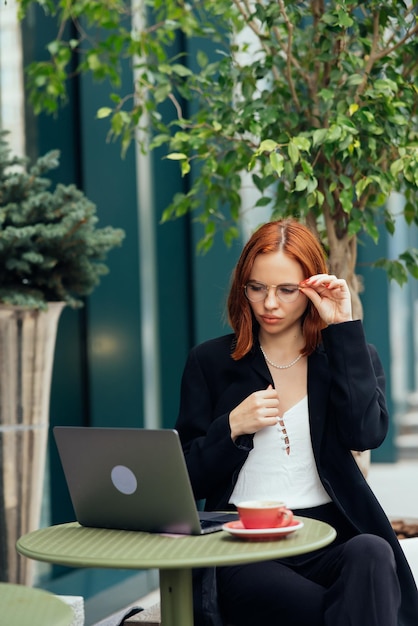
259, 365
318, 389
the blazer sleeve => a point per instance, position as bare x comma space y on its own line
211, 455
357, 392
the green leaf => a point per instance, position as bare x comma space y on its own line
362, 185
162, 92
202, 59
319, 136
354, 79
302, 143
104, 112
397, 167
326, 94
394, 269
185, 168
346, 182
53, 47
176, 156
230, 235
93, 61
385, 85
301, 183
181, 70
372, 230
293, 152
409, 212
264, 201
307, 168
344, 19
312, 185
346, 202
320, 198
333, 134
277, 162
410, 258
267, 145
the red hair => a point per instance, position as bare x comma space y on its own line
299, 243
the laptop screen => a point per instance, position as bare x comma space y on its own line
129, 478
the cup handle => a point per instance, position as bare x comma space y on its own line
287, 517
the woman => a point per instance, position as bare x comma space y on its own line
273, 412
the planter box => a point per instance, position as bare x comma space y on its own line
407, 532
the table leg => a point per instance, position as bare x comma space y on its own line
176, 597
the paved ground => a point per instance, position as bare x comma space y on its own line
396, 487
116, 618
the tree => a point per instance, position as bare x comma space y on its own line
317, 99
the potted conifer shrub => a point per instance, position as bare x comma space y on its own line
52, 254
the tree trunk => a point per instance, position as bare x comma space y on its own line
342, 263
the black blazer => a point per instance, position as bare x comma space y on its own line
347, 411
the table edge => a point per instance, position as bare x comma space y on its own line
209, 561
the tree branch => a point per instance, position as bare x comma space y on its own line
409, 34
375, 55
289, 57
256, 30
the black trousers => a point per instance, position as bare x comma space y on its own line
352, 582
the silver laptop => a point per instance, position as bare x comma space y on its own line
132, 479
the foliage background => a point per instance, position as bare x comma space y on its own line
318, 100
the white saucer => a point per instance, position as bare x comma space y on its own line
238, 530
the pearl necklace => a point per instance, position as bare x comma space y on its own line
280, 367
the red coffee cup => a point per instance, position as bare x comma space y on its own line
264, 514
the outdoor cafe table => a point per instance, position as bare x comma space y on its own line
77, 546
20, 604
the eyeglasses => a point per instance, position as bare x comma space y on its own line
256, 292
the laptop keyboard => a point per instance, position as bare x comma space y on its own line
208, 523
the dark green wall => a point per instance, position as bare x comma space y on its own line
375, 299
113, 311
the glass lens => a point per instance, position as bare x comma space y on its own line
287, 293
255, 292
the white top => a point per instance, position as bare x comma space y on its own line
269, 473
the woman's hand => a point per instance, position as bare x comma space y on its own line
257, 411
330, 296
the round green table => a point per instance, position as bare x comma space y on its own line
26, 605
77, 546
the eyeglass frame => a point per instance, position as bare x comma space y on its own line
267, 290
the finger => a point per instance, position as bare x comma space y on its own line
271, 421
339, 284
319, 278
325, 282
312, 294
267, 394
319, 281
262, 422
271, 410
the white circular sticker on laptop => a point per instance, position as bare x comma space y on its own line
124, 479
